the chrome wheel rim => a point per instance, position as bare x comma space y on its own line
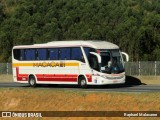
32, 82
83, 82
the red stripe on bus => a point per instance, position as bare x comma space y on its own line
57, 77
21, 77
89, 77
52, 77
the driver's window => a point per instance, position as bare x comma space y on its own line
106, 59
93, 61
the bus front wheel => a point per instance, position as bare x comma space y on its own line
32, 81
82, 82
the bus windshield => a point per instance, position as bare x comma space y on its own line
111, 61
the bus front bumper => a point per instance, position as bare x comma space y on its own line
99, 80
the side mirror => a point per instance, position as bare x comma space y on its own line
126, 56
97, 55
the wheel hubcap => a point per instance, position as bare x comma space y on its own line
83, 82
32, 82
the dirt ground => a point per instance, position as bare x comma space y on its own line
149, 79
60, 100
6, 78
36, 99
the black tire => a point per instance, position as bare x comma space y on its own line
32, 81
82, 82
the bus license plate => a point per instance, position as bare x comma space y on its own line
114, 81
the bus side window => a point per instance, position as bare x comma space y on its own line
22, 54
52, 54
42, 54
64, 54
93, 61
87, 50
30, 54
76, 54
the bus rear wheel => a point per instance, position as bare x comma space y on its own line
32, 81
82, 82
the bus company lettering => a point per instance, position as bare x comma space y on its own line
49, 64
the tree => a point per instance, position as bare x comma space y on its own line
134, 25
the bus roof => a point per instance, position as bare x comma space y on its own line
94, 44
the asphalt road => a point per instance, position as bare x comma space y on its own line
106, 88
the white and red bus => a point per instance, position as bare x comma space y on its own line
69, 62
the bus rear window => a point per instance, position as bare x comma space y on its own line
17, 54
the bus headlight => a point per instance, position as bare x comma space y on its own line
107, 77
104, 76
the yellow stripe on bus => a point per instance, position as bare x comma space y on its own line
46, 64
21, 64
71, 64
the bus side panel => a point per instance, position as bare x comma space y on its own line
67, 73
47, 74
14, 75
86, 71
